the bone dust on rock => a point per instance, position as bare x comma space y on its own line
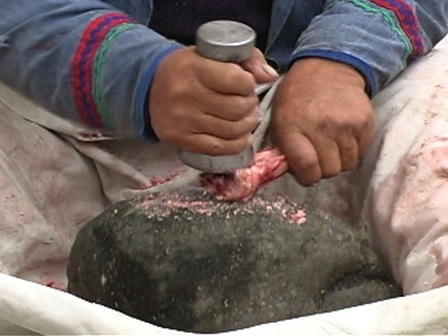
189, 262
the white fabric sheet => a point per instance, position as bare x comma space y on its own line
26, 307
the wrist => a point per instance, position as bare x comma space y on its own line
331, 70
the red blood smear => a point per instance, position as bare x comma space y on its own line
269, 163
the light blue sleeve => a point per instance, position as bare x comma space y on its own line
84, 60
378, 37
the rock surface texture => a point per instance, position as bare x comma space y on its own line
188, 262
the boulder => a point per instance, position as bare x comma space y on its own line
188, 262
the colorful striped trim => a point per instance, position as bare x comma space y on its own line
403, 21
87, 64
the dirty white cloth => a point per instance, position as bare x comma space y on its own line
28, 308
55, 175
400, 191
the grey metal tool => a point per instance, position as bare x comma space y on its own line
225, 41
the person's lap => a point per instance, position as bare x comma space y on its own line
48, 190
59, 183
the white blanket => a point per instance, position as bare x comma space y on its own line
26, 307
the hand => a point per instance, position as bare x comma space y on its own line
323, 121
206, 106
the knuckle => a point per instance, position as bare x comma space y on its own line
216, 149
169, 135
243, 106
330, 171
203, 145
247, 125
349, 165
237, 77
176, 112
237, 131
232, 76
323, 126
240, 144
232, 147
307, 164
240, 106
330, 165
181, 89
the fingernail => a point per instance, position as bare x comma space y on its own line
270, 71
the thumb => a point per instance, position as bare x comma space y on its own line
259, 68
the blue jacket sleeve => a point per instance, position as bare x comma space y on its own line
378, 37
84, 60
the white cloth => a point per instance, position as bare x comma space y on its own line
27, 308
54, 176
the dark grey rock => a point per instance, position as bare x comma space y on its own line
188, 262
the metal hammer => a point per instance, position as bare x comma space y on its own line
225, 41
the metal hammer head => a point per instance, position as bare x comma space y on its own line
217, 164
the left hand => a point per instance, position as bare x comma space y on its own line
323, 121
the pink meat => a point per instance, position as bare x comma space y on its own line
269, 163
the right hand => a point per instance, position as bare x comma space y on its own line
205, 106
